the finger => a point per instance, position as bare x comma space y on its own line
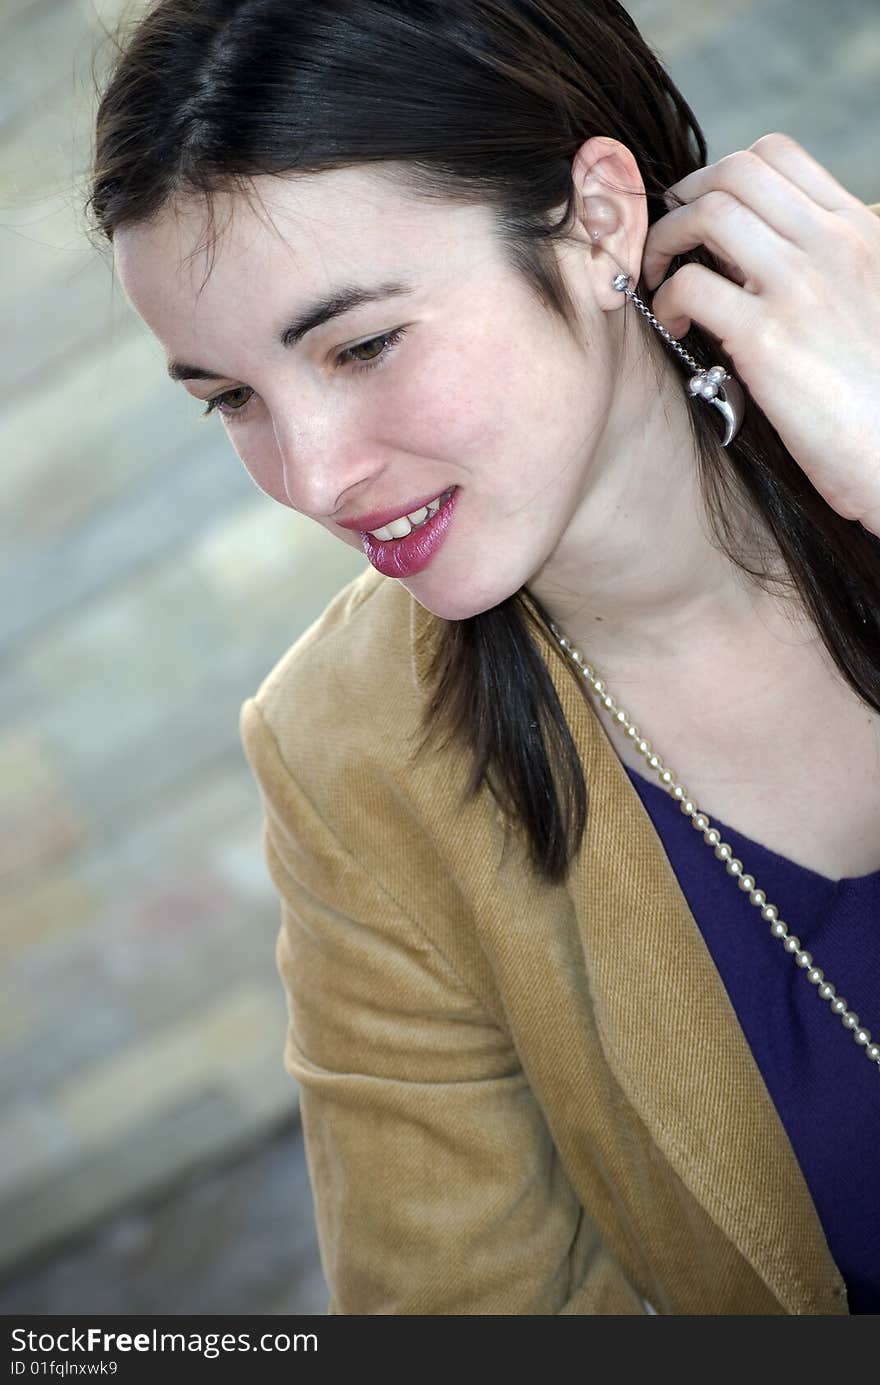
730, 230
766, 189
695, 293
806, 173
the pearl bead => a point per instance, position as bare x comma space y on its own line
758, 898
838, 1005
700, 821
827, 991
747, 882
850, 1020
695, 384
769, 912
792, 944
712, 837
734, 866
862, 1036
723, 851
873, 1052
804, 960
778, 928
709, 390
815, 975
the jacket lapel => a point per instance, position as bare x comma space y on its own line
667, 1025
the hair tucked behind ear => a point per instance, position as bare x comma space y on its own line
484, 102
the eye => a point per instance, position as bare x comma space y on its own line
219, 402
223, 403
387, 342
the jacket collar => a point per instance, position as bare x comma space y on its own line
658, 999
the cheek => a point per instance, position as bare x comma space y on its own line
259, 457
457, 401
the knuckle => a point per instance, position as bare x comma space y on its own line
690, 276
719, 201
775, 140
741, 161
856, 251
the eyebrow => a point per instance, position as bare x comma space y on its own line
342, 300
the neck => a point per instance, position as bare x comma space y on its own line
638, 579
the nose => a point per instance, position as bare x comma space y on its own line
321, 464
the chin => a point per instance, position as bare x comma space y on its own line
460, 604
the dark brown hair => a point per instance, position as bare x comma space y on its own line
477, 101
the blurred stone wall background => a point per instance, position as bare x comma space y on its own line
150, 1158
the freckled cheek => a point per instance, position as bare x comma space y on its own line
457, 406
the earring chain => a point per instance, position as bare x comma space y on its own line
625, 283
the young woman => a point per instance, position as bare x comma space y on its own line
553, 1055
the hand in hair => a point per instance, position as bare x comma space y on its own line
800, 314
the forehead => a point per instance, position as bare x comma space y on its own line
310, 226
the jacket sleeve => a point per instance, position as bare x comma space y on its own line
436, 1185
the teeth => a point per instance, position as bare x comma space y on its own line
399, 528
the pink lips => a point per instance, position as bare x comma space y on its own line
377, 519
405, 557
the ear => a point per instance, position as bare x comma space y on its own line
605, 170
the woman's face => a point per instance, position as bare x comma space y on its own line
478, 385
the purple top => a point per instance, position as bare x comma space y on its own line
826, 1091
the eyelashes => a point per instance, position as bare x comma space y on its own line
219, 403
387, 341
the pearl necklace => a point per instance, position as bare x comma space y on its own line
712, 837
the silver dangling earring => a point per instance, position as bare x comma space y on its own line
720, 389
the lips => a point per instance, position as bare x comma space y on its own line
377, 519
410, 555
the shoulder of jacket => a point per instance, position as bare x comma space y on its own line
354, 809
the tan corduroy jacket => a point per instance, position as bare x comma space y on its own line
516, 1098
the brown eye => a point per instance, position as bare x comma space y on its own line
221, 404
378, 349
377, 346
